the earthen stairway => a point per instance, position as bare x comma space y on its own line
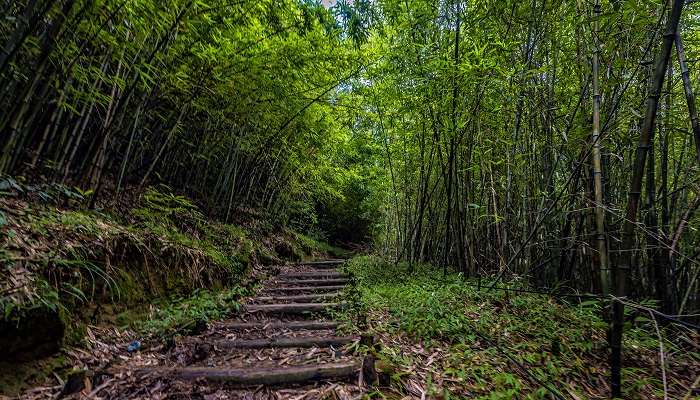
285, 343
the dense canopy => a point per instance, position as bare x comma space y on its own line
545, 141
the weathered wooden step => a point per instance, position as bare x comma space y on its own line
272, 376
293, 308
316, 282
329, 274
304, 297
306, 289
333, 261
323, 266
328, 264
295, 326
285, 343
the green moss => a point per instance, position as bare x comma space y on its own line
59, 361
75, 332
267, 257
129, 291
126, 318
16, 377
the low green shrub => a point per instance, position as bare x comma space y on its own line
561, 343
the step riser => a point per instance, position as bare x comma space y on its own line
302, 298
285, 343
322, 262
293, 326
295, 308
307, 289
315, 282
322, 266
310, 275
279, 376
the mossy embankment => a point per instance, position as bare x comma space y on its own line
64, 268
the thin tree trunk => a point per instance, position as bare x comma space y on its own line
125, 161
183, 111
26, 25
605, 277
635, 190
16, 115
689, 96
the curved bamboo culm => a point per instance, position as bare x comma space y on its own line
689, 95
645, 141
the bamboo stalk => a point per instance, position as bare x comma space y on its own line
183, 111
645, 141
689, 95
603, 264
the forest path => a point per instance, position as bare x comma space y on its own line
286, 343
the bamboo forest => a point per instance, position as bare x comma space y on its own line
368, 199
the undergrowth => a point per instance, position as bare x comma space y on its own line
56, 254
306, 244
61, 258
182, 312
449, 325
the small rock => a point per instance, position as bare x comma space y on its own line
133, 346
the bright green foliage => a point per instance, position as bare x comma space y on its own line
557, 341
64, 260
231, 101
455, 133
482, 140
180, 312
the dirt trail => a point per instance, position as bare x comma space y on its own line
284, 344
